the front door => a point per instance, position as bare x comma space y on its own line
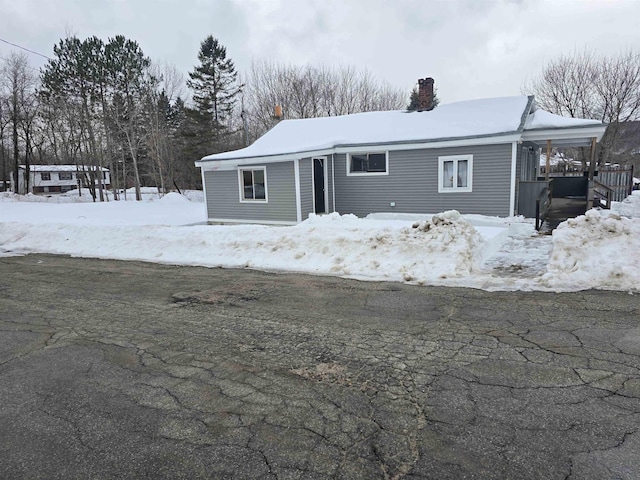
319, 199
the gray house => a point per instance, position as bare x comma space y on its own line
472, 156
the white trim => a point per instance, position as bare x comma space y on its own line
565, 133
258, 201
512, 191
296, 174
247, 221
231, 163
367, 174
204, 192
326, 185
455, 159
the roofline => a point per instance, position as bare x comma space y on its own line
526, 113
559, 133
506, 137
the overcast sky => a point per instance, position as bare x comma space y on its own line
473, 48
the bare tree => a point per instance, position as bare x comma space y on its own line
584, 85
4, 123
313, 91
19, 83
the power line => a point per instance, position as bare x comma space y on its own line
25, 49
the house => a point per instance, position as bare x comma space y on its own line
473, 156
46, 179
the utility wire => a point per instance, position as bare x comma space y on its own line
25, 49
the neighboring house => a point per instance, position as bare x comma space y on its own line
56, 178
473, 156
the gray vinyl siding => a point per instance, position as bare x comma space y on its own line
329, 187
306, 187
223, 196
412, 183
519, 154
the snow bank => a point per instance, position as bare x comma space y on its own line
595, 250
432, 251
598, 250
629, 207
84, 196
173, 197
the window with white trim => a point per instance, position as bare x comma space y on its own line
65, 175
45, 176
368, 163
253, 184
455, 173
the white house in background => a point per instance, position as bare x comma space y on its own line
46, 179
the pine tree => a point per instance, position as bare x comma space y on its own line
214, 84
414, 100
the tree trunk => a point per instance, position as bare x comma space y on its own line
27, 163
16, 152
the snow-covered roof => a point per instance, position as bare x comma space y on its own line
61, 168
471, 120
542, 119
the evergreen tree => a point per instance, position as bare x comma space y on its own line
414, 100
214, 85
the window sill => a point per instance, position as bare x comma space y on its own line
366, 174
454, 190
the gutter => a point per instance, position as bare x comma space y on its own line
488, 139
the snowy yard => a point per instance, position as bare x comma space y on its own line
597, 250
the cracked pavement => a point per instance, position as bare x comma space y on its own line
129, 370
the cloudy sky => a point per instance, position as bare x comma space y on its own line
473, 48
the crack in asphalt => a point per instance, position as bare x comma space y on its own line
354, 381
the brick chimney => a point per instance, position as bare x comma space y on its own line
425, 94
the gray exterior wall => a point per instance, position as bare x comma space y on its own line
519, 153
223, 201
330, 166
412, 183
306, 188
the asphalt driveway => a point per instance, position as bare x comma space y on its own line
129, 370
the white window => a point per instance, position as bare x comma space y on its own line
368, 163
45, 176
253, 184
455, 173
65, 175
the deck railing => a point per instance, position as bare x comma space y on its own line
602, 195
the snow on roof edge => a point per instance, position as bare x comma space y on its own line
345, 147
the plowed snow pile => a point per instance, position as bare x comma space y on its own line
630, 206
446, 246
595, 250
437, 251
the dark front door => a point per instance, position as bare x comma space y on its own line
318, 185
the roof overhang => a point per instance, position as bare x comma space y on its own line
233, 163
566, 137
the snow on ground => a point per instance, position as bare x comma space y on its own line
170, 209
595, 250
598, 250
629, 207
